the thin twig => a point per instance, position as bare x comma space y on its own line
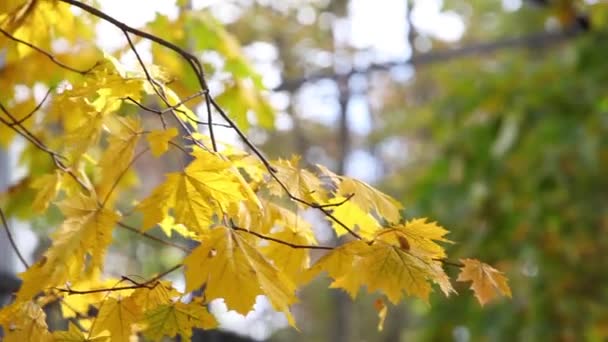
12, 241
150, 284
33, 111
174, 107
269, 238
152, 237
29, 136
121, 175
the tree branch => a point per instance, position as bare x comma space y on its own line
532, 41
12, 241
269, 238
150, 284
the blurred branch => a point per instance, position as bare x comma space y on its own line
12, 241
532, 41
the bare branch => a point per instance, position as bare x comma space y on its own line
152, 237
150, 284
12, 241
533, 41
270, 238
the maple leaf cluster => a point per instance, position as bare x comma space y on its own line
242, 210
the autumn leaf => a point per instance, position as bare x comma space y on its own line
159, 140
151, 298
35, 22
368, 199
352, 216
384, 265
117, 316
124, 135
487, 282
300, 183
177, 319
87, 230
24, 321
48, 186
287, 259
207, 187
73, 306
232, 268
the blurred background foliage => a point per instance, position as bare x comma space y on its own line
492, 119
506, 146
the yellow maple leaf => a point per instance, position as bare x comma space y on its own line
353, 217
231, 268
87, 230
36, 22
416, 235
338, 263
117, 316
177, 318
159, 140
73, 334
207, 186
368, 198
382, 266
300, 183
117, 157
291, 261
151, 298
487, 282
24, 321
47, 185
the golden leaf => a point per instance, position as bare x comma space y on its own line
384, 265
353, 217
24, 321
87, 230
368, 199
208, 186
231, 268
116, 316
300, 183
47, 185
159, 140
487, 282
